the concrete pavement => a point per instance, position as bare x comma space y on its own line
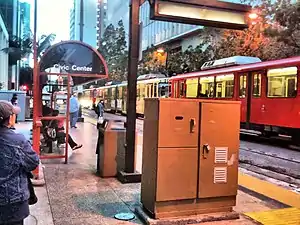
74, 195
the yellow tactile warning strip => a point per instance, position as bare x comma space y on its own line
288, 216
270, 190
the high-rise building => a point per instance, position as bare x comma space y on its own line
25, 20
10, 13
101, 19
83, 15
3, 55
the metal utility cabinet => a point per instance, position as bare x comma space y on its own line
190, 156
114, 139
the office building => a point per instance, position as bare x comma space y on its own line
3, 56
25, 20
25, 31
153, 33
101, 19
10, 13
83, 15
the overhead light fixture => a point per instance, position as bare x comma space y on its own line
206, 13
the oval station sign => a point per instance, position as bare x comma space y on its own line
73, 57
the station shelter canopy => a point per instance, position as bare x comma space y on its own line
74, 58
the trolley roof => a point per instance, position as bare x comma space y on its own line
243, 68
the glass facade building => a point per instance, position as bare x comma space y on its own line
10, 14
153, 32
101, 19
3, 56
89, 21
159, 32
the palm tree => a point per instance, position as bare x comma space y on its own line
21, 48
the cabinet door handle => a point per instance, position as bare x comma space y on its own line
192, 125
206, 150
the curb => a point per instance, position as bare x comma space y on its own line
39, 181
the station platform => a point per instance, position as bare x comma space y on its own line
74, 195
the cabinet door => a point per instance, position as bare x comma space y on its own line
178, 123
218, 172
177, 174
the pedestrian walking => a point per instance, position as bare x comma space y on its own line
17, 160
74, 108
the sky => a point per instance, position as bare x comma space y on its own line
52, 17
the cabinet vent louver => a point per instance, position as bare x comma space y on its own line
220, 175
221, 155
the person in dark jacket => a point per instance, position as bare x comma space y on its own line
99, 108
14, 101
17, 159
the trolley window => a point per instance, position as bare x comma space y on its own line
225, 86
163, 90
256, 85
142, 90
138, 92
243, 86
181, 89
113, 93
155, 90
282, 83
175, 89
207, 87
151, 90
192, 88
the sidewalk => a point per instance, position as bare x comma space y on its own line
73, 195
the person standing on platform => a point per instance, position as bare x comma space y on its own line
17, 160
14, 101
74, 108
99, 109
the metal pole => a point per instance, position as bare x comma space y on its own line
36, 97
81, 21
132, 81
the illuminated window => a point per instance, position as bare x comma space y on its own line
142, 90
282, 82
207, 87
192, 88
225, 86
181, 89
256, 84
138, 92
243, 86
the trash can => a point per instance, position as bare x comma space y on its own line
111, 137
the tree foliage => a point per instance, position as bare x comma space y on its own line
153, 62
19, 48
285, 28
113, 47
190, 60
274, 35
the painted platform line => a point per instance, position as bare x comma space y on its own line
288, 216
270, 190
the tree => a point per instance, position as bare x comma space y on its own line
286, 26
191, 59
255, 40
153, 62
19, 48
113, 47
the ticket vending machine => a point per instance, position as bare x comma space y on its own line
190, 156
